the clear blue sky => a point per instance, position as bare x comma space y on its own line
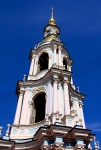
21, 27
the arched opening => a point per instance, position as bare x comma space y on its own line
39, 103
43, 61
65, 63
57, 51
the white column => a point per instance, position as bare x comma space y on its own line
78, 111
55, 95
66, 99
24, 113
60, 98
32, 65
59, 59
19, 107
49, 62
55, 48
81, 115
35, 65
69, 68
47, 105
48, 100
30, 103
71, 80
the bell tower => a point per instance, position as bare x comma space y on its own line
48, 95
49, 113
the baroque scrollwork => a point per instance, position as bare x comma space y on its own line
39, 89
65, 82
80, 104
43, 51
53, 147
58, 147
56, 80
21, 92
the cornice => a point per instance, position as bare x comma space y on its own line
50, 45
68, 134
52, 73
6, 144
74, 92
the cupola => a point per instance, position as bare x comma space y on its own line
52, 31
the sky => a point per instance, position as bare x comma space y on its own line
21, 27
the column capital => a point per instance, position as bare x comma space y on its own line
33, 56
58, 146
80, 104
30, 103
65, 57
60, 84
21, 92
65, 82
55, 47
55, 80
59, 47
50, 56
71, 99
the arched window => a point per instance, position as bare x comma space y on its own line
65, 63
39, 104
43, 61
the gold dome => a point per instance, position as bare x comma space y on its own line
50, 38
52, 22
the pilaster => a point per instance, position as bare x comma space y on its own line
19, 108
32, 65
55, 101
55, 48
35, 65
47, 105
25, 107
60, 98
55, 82
66, 102
50, 62
82, 122
66, 98
49, 99
69, 68
60, 60
30, 108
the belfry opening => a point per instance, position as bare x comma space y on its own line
43, 61
65, 63
39, 103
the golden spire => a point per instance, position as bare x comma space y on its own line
52, 21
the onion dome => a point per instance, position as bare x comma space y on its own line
51, 28
51, 31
